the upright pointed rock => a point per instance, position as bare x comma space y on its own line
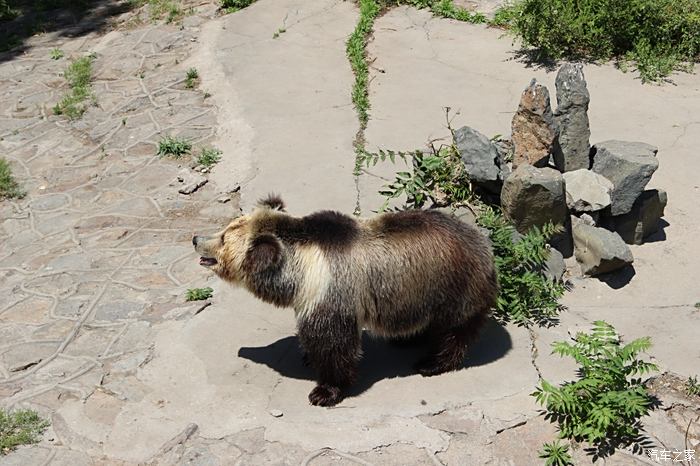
534, 131
572, 119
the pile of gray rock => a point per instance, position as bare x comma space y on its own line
549, 172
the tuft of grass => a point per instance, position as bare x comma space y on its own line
9, 188
658, 36
56, 54
692, 386
446, 9
234, 5
355, 49
159, 9
209, 156
278, 32
78, 74
191, 78
199, 294
21, 427
174, 147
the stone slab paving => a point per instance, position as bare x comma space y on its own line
97, 258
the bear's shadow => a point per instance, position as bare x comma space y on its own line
381, 358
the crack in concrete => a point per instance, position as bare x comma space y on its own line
533, 351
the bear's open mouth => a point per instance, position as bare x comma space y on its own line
207, 261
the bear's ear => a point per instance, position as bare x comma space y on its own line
264, 252
272, 201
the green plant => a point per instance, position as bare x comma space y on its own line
692, 387
445, 9
157, 9
199, 294
9, 188
660, 36
21, 427
235, 5
278, 32
6, 11
355, 49
56, 54
191, 78
438, 176
604, 406
526, 295
174, 147
78, 74
209, 156
556, 454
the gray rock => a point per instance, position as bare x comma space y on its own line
599, 250
505, 155
629, 166
572, 119
479, 155
462, 213
534, 132
590, 219
191, 181
554, 267
276, 413
534, 196
465, 215
642, 220
587, 191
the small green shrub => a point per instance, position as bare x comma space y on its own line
191, 78
21, 427
9, 188
78, 74
438, 176
604, 406
199, 294
278, 32
56, 54
556, 454
526, 295
6, 11
174, 147
660, 36
209, 156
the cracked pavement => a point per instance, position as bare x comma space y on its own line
96, 334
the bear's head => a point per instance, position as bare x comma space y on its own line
247, 246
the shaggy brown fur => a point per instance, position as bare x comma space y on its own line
394, 275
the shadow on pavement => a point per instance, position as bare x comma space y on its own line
381, 359
67, 18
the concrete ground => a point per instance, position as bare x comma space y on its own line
96, 334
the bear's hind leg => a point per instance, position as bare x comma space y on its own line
448, 346
332, 345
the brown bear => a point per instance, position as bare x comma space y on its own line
394, 275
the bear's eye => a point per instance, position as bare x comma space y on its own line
223, 235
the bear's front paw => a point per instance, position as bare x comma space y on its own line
325, 395
428, 368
